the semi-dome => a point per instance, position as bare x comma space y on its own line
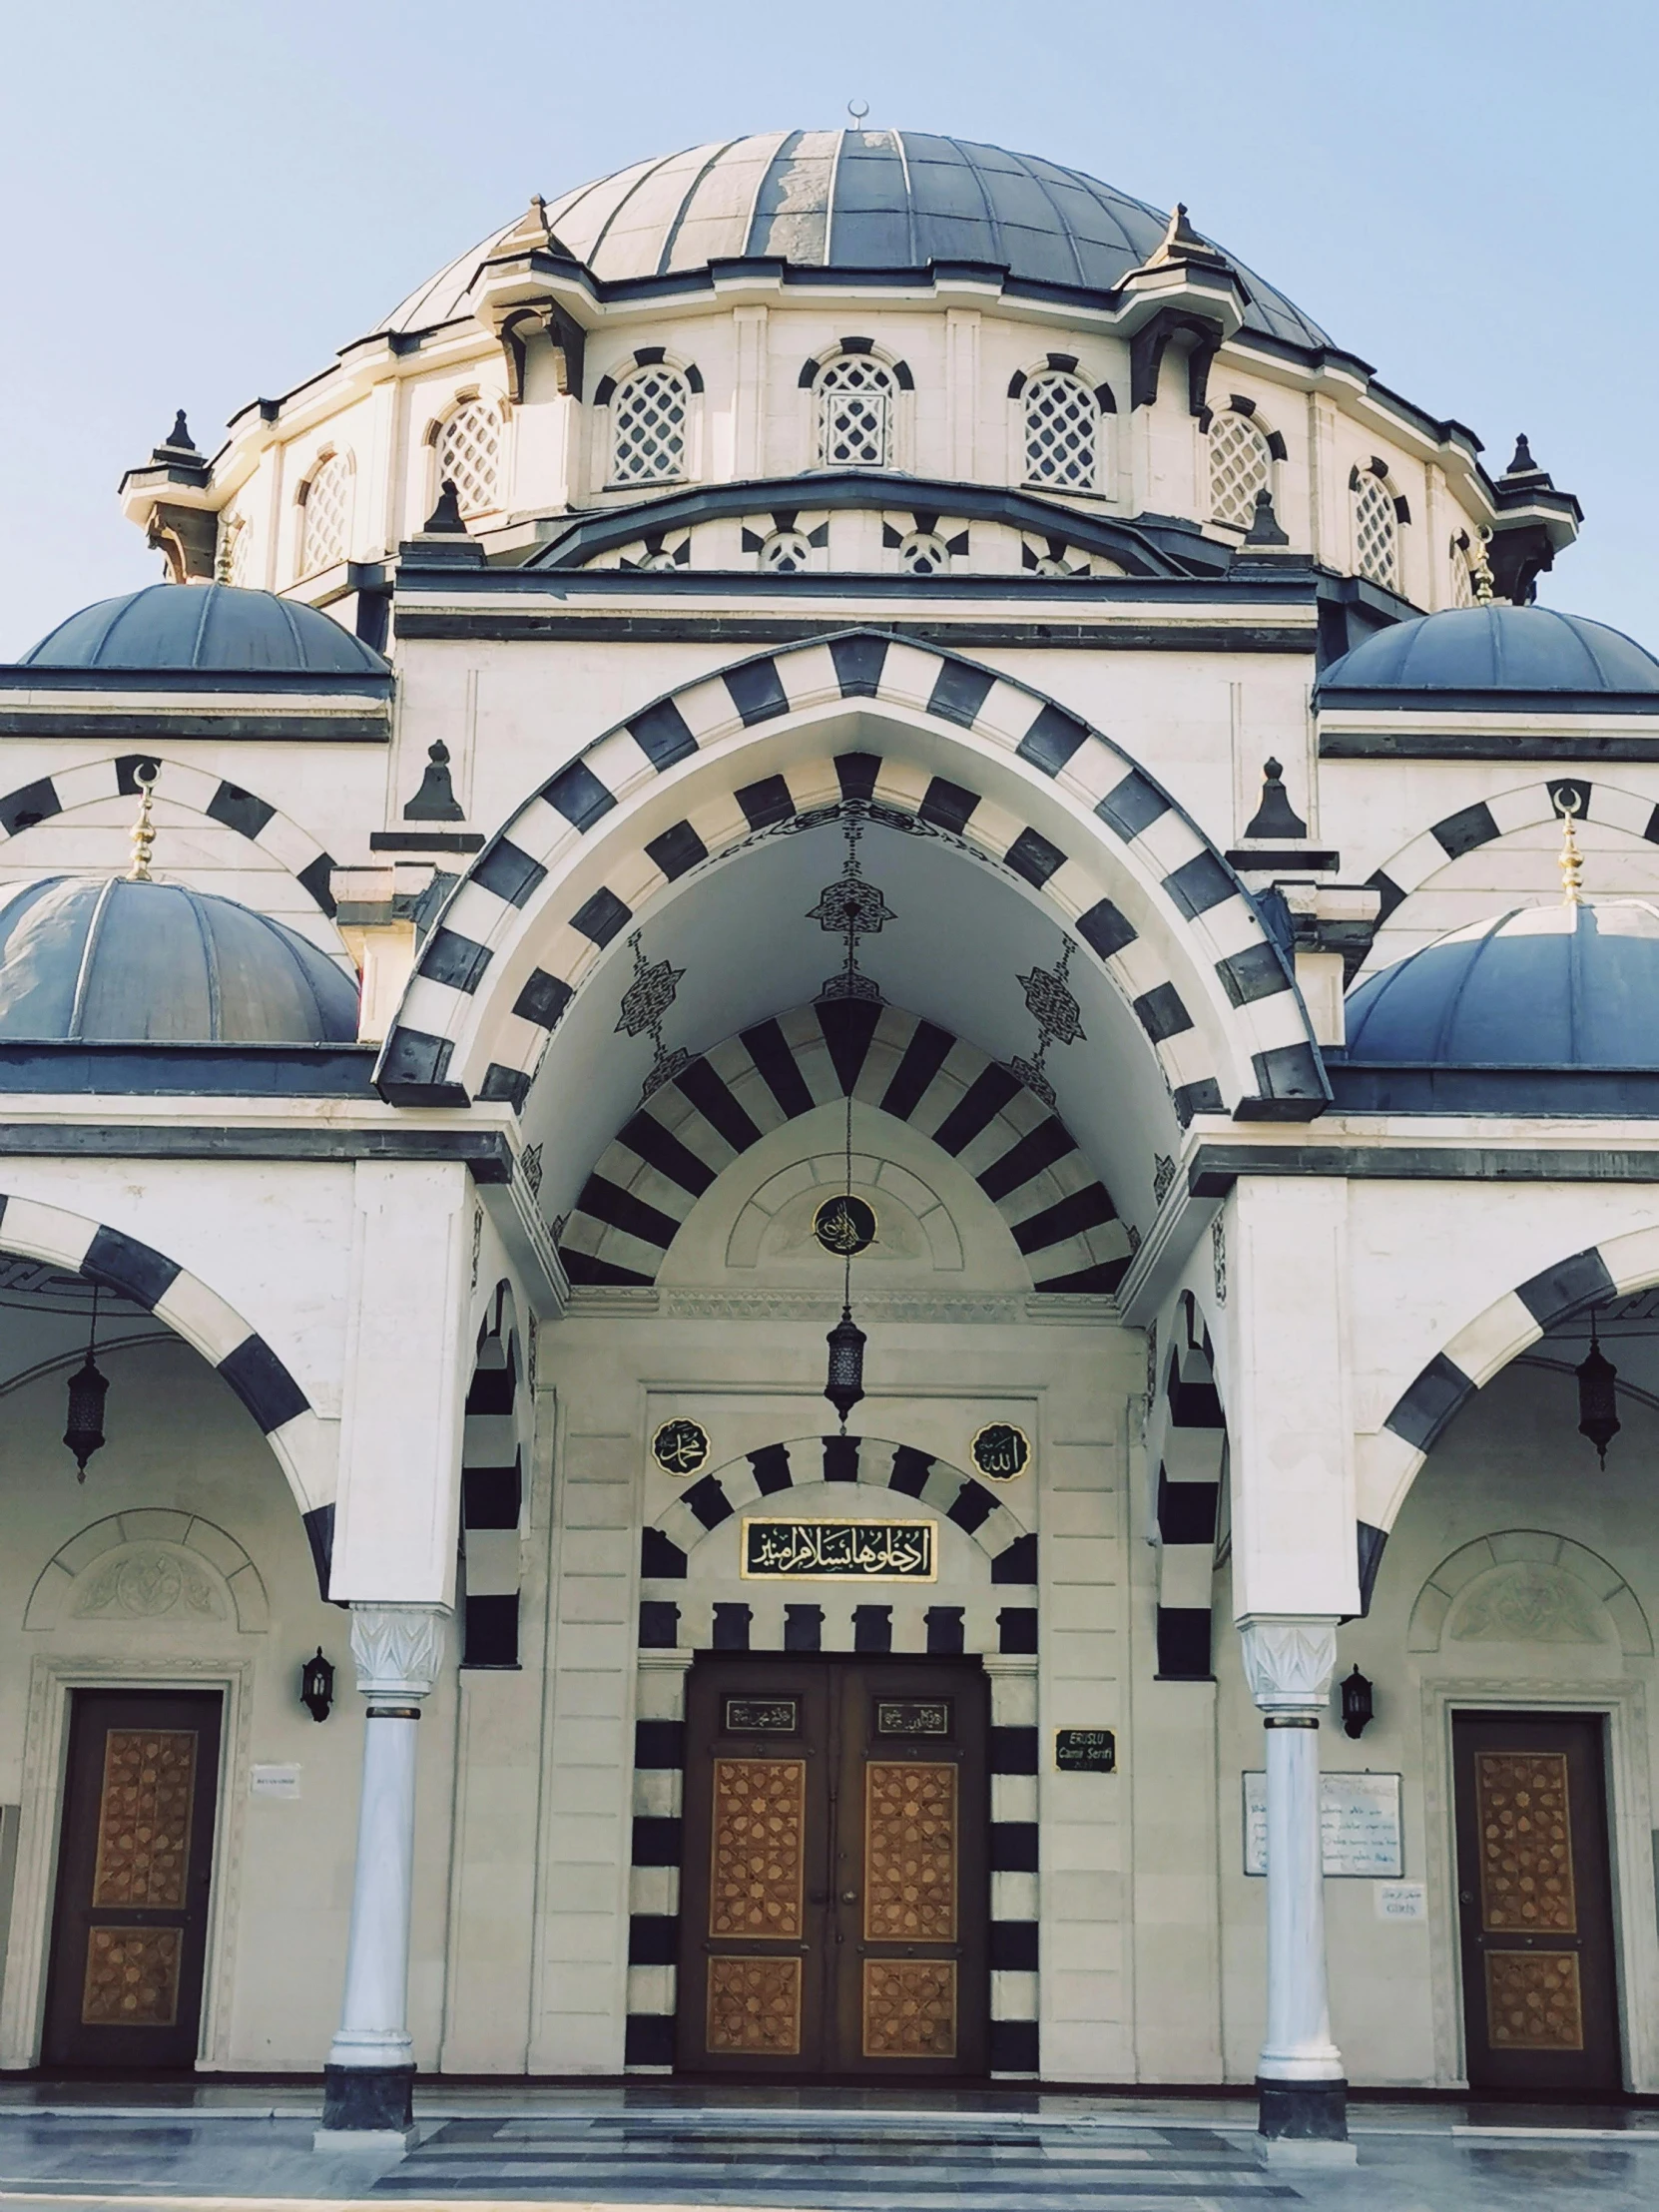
110, 960
1496, 648
1536, 987
206, 626
853, 200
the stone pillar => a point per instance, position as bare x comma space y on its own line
1288, 1661
368, 2081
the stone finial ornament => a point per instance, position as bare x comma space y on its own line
1274, 816
445, 517
435, 800
1264, 524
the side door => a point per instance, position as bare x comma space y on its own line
1540, 1999
135, 1866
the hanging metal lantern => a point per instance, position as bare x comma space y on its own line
1598, 1416
317, 1686
83, 1431
1359, 1710
846, 1385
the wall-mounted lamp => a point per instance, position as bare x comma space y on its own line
317, 1686
1359, 1710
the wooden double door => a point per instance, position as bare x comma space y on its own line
835, 1898
1540, 1997
134, 1863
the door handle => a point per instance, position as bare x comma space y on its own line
850, 1897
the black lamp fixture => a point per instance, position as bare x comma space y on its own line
317, 1686
1358, 1709
1598, 1416
83, 1431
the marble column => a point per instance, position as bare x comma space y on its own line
1288, 1662
368, 2080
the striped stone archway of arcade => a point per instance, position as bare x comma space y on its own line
492, 1495
1136, 879
238, 1355
1192, 1467
220, 801
1010, 1553
1016, 1146
1389, 1460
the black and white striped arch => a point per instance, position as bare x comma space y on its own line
1018, 1150
1487, 819
492, 1496
1140, 883
203, 794
1192, 1466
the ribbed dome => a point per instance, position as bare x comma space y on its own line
1496, 649
204, 626
1537, 987
852, 200
104, 960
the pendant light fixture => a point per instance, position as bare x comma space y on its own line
847, 1341
83, 1431
1598, 1416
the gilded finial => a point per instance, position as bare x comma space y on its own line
143, 830
1568, 806
1481, 567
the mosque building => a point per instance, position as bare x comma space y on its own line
830, 1192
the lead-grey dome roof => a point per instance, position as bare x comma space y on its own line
204, 626
852, 200
105, 960
1497, 648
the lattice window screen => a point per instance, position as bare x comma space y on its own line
1062, 429
238, 550
1240, 467
923, 554
1375, 532
855, 396
470, 455
648, 434
786, 553
328, 515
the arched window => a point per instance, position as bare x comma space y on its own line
855, 407
469, 456
327, 525
1241, 465
1376, 528
1062, 430
786, 553
648, 427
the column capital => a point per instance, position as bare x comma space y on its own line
1289, 1660
397, 1649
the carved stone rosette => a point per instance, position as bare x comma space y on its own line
1289, 1659
397, 1649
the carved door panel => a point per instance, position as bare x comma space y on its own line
134, 1860
1540, 2001
835, 1898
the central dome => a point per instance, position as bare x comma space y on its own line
853, 200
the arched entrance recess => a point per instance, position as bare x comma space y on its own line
906, 732
236, 1353
1392, 1460
992, 1546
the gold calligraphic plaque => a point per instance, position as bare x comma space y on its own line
839, 1551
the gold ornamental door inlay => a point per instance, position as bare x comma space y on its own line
132, 1976
910, 1851
910, 2008
1532, 2000
144, 1818
755, 1864
755, 2005
1526, 1877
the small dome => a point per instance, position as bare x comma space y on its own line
1497, 648
206, 626
105, 960
1537, 987
853, 200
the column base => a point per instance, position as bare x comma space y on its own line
1303, 2114
366, 2108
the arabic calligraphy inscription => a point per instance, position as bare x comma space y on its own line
855, 1551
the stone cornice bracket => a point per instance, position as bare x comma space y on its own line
397, 1649
1186, 289
1289, 1660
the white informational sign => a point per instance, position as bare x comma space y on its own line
280, 1781
1400, 1900
1360, 1817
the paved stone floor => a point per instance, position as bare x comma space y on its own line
236, 2148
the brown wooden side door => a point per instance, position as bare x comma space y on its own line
1540, 1997
835, 1887
134, 1862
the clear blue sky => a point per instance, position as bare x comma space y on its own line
201, 202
